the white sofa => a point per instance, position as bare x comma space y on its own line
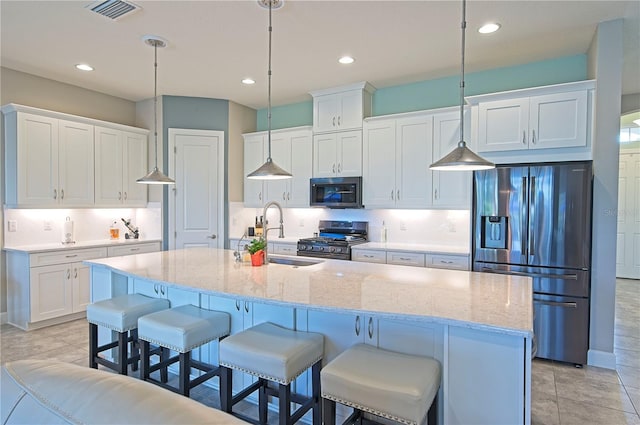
45, 392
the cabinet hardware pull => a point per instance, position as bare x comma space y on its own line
339, 167
61, 193
71, 255
155, 289
284, 197
533, 137
260, 196
333, 168
246, 306
238, 305
162, 289
404, 259
55, 194
68, 274
75, 274
288, 196
398, 195
357, 325
134, 249
338, 121
334, 121
446, 262
436, 193
370, 327
125, 196
119, 196
524, 137
391, 194
367, 256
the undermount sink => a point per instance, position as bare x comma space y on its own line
297, 262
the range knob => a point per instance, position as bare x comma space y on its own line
333, 249
302, 247
320, 248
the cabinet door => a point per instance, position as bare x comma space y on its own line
301, 168
350, 110
451, 190
325, 155
75, 161
325, 112
349, 145
503, 125
413, 156
406, 258
37, 155
276, 190
415, 338
108, 167
81, 289
558, 120
254, 157
134, 151
51, 292
379, 164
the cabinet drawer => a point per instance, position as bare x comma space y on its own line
458, 262
369, 256
406, 258
66, 256
284, 249
115, 251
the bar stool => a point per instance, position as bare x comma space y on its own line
119, 314
274, 354
391, 385
180, 329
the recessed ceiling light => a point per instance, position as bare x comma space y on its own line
489, 28
346, 60
248, 81
84, 67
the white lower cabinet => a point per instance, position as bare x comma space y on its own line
369, 256
458, 262
412, 258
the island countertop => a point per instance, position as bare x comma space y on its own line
487, 301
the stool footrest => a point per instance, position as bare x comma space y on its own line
245, 393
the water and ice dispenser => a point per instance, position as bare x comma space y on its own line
494, 232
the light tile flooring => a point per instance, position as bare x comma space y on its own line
561, 393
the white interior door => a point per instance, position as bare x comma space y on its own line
196, 159
628, 249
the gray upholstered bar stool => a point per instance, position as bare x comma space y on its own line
391, 385
119, 314
180, 329
275, 354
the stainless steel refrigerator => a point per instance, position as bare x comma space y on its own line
535, 220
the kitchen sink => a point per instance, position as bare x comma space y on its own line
296, 262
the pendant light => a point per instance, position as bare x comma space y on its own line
269, 170
462, 158
155, 176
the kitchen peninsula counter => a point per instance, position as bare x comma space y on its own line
478, 325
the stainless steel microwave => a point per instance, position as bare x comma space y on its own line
336, 192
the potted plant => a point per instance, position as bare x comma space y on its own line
256, 249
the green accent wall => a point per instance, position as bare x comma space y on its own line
194, 113
443, 92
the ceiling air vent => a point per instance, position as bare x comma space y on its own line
113, 9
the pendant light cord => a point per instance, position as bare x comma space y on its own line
463, 26
269, 88
155, 98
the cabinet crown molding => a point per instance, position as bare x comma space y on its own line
363, 85
531, 91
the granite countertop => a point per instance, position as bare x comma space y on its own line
486, 301
36, 248
407, 247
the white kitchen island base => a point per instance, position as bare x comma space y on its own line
478, 325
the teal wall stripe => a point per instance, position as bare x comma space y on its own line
285, 116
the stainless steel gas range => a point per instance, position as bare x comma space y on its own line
334, 240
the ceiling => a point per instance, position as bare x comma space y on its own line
213, 45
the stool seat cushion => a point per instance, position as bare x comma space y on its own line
271, 352
121, 313
183, 328
392, 385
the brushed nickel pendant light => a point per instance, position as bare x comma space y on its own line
155, 176
462, 158
269, 170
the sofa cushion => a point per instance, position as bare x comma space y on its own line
40, 391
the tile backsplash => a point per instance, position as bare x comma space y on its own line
44, 226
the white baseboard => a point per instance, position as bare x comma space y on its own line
601, 359
3, 318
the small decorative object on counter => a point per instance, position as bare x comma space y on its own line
114, 231
133, 232
251, 231
67, 232
256, 249
259, 228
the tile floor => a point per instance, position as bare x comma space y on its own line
561, 393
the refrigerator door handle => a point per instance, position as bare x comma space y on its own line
541, 275
556, 304
532, 215
523, 215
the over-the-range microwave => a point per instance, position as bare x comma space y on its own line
336, 192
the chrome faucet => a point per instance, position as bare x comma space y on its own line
266, 229
237, 252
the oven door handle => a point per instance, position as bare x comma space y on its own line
570, 304
572, 276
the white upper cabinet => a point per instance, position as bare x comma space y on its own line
556, 118
341, 108
121, 159
291, 149
338, 154
49, 161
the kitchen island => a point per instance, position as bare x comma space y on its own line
478, 325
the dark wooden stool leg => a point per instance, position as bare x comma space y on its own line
432, 416
165, 353
284, 404
226, 383
122, 352
262, 401
135, 348
93, 345
144, 360
315, 393
329, 411
185, 372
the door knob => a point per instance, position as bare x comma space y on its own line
212, 236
